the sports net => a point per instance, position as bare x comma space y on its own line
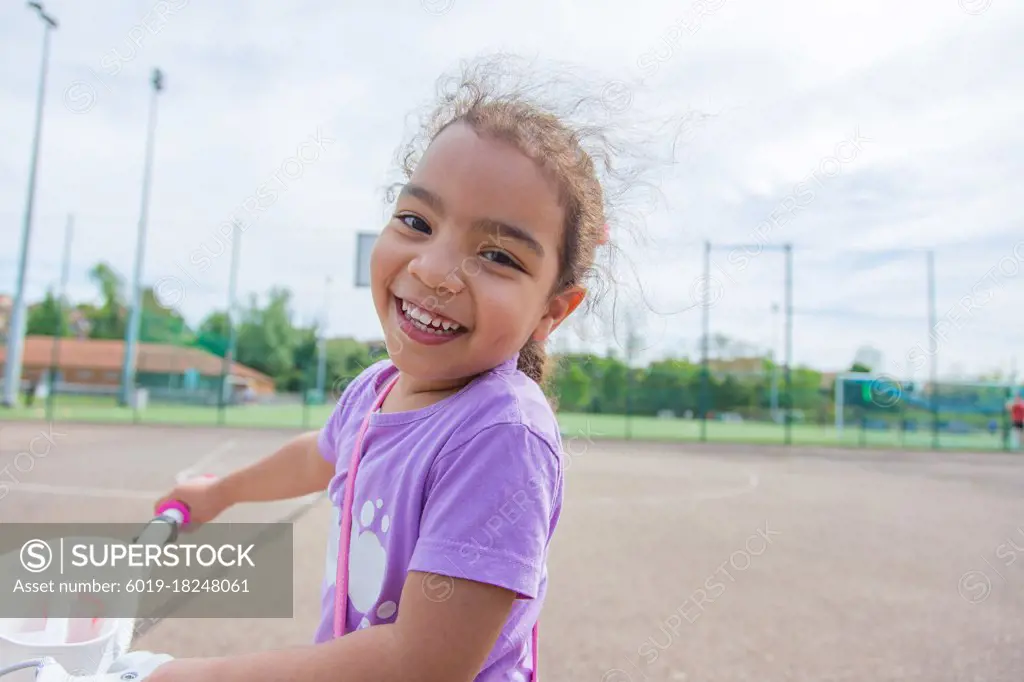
879, 409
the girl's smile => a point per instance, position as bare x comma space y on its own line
423, 326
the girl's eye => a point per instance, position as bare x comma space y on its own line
415, 222
501, 258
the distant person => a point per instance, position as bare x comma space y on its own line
450, 516
1016, 407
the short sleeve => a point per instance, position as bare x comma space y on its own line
490, 509
327, 441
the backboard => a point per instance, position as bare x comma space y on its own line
364, 247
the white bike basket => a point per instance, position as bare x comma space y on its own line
83, 646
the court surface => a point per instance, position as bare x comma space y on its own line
671, 562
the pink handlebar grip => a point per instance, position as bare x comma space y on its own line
175, 504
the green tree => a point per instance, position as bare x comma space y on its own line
214, 333
730, 394
346, 359
614, 384
573, 388
109, 320
216, 324
305, 361
47, 319
266, 337
160, 324
662, 386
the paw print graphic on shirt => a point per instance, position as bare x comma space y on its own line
368, 561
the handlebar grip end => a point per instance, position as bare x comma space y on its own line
180, 507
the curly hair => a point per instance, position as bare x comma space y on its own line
537, 116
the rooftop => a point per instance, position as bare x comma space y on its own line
108, 354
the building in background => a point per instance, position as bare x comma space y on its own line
746, 366
94, 366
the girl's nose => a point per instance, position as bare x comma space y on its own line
440, 274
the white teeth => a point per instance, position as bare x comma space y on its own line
428, 322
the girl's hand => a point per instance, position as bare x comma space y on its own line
205, 498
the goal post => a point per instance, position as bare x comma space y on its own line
875, 388
889, 397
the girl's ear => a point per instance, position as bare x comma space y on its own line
559, 308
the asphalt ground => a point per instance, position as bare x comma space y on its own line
671, 562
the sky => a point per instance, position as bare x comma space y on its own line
863, 134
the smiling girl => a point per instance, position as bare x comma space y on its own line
458, 478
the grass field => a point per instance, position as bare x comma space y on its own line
578, 425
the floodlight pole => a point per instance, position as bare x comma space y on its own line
59, 333
135, 319
321, 368
705, 325
774, 399
229, 355
840, 389
933, 347
632, 346
16, 328
788, 248
1011, 395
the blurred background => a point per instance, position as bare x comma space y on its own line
833, 257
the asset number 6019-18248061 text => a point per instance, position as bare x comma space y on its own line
188, 585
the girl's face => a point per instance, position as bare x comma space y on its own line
462, 275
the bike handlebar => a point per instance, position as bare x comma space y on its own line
161, 529
175, 509
164, 528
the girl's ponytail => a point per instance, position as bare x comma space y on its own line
535, 363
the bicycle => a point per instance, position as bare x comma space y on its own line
107, 653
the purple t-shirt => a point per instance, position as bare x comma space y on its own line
469, 487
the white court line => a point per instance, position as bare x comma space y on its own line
80, 491
205, 461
